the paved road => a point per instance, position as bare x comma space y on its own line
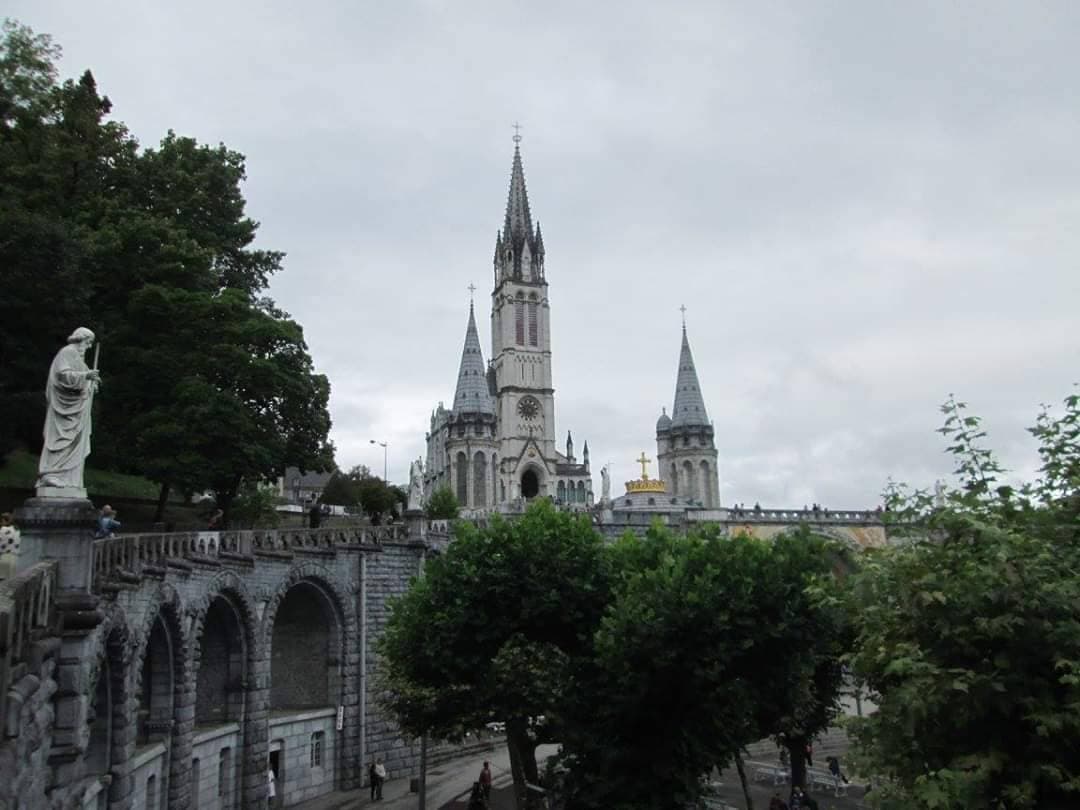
446, 782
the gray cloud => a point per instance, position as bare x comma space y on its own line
863, 206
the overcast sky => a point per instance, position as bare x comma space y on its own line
863, 206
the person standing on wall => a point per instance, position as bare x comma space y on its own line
485, 780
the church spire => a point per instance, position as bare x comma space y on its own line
472, 395
689, 404
521, 252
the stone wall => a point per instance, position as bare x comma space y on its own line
176, 633
387, 576
303, 772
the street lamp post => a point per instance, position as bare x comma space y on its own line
383, 445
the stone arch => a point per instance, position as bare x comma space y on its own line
674, 479
461, 479
110, 719
337, 603
479, 479
690, 489
706, 484
227, 596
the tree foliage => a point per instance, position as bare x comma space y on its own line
708, 644
487, 632
970, 633
443, 505
205, 381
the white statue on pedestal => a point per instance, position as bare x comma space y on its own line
416, 485
69, 394
605, 487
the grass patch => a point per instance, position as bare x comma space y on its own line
19, 471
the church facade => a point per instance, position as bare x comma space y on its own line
496, 448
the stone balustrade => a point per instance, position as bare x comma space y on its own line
129, 554
26, 611
806, 515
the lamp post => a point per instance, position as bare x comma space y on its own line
383, 445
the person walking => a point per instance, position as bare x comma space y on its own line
485, 780
373, 779
834, 769
107, 523
380, 777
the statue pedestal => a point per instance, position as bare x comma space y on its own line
416, 523
60, 529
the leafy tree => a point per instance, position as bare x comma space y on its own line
340, 490
97, 232
244, 401
488, 632
255, 507
969, 634
709, 643
443, 505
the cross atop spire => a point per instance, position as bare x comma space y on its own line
517, 133
682, 309
472, 289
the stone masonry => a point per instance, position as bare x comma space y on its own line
182, 666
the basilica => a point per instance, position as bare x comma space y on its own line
495, 446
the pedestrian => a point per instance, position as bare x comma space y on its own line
107, 523
834, 769
9, 546
380, 777
796, 798
315, 515
776, 803
485, 780
373, 779
784, 759
271, 786
809, 754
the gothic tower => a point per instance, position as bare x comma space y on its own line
521, 349
685, 447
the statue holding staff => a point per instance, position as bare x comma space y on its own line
69, 395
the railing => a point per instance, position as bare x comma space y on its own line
130, 553
26, 608
805, 515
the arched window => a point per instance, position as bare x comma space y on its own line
534, 327
674, 480
494, 476
461, 473
519, 323
581, 492
689, 481
560, 491
479, 480
706, 484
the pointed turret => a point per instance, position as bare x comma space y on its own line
585, 454
569, 446
472, 395
689, 404
521, 254
539, 241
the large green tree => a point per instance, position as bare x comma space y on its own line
708, 644
205, 381
487, 633
969, 633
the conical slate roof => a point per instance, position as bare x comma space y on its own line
472, 395
518, 225
689, 405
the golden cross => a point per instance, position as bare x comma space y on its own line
643, 462
472, 289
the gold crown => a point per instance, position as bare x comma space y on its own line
645, 485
